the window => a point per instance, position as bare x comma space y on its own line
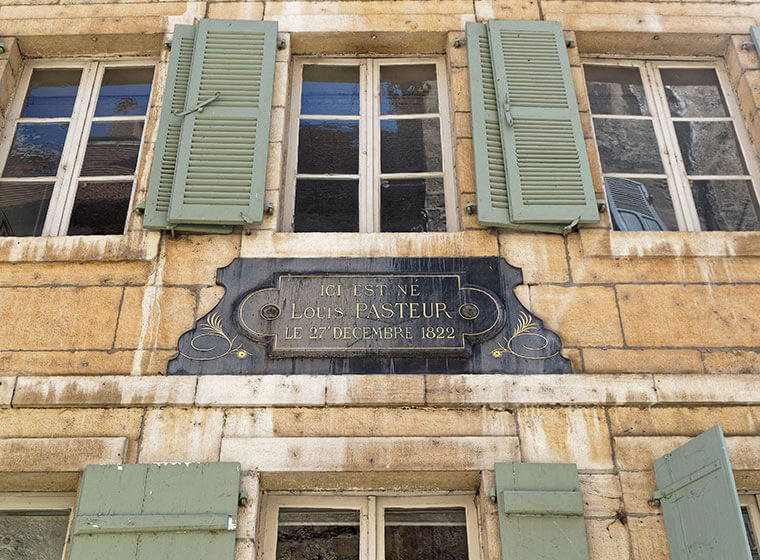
371, 148
363, 527
751, 516
34, 525
70, 147
674, 152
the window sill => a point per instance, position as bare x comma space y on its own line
134, 246
643, 244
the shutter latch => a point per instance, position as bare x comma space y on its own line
510, 121
200, 105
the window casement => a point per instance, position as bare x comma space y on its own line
34, 525
751, 517
370, 146
369, 527
674, 151
70, 146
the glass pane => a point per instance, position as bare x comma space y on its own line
330, 90
627, 146
112, 148
408, 89
23, 207
725, 205
412, 205
124, 92
615, 90
425, 534
52, 93
317, 534
710, 148
328, 147
326, 205
693, 92
100, 208
36, 150
410, 145
750, 534
33, 537
640, 204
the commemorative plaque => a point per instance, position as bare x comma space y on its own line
384, 315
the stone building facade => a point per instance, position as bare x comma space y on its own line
662, 328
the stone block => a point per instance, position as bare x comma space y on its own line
457, 56
154, 317
460, 89
465, 166
74, 362
738, 59
639, 453
708, 389
581, 316
207, 299
368, 422
672, 315
262, 390
507, 390
748, 92
281, 90
692, 421
78, 9
193, 259
369, 454
274, 177
58, 318
463, 124
236, 10
181, 434
39, 482
638, 489
82, 273
520, 9
247, 518
7, 384
244, 549
565, 435
70, 391
83, 422
142, 245
731, 361
375, 389
648, 538
602, 496
59, 454
579, 81
541, 257
612, 360
608, 539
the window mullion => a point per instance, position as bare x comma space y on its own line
375, 539
448, 145
372, 193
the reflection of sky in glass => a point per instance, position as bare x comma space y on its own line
36, 150
50, 101
330, 90
123, 100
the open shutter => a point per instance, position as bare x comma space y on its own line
181, 511
700, 506
754, 30
222, 158
540, 512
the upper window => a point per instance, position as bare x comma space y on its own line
34, 525
371, 148
674, 152
363, 527
70, 147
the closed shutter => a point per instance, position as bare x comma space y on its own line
700, 506
221, 164
181, 511
530, 156
540, 512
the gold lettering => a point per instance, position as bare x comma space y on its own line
387, 310
293, 313
440, 307
414, 310
414, 290
292, 334
360, 308
402, 289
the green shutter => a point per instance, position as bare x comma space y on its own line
179, 511
700, 506
540, 512
222, 157
754, 30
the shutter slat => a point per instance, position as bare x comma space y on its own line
226, 145
699, 502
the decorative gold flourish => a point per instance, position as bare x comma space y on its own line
213, 327
525, 327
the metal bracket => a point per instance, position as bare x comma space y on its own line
200, 105
168, 45
459, 41
268, 208
139, 209
568, 229
569, 43
747, 45
471, 208
2, 48
281, 44
243, 499
492, 495
601, 204
668, 491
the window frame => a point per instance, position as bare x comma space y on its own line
82, 117
369, 136
675, 172
752, 503
371, 507
42, 501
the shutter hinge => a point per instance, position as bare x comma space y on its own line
492, 495
139, 209
471, 208
243, 499
459, 41
2, 48
268, 208
747, 45
668, 491
168, 45
569, 43
601, 204
571, 227
281, 44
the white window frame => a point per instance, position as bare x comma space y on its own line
82, 117
674, 168
369, 137
41, 501
371, 509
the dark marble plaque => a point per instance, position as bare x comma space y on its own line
383, 315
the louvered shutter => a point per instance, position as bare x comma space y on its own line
754, 30
699, 503
180, 511
540, 512
221, 165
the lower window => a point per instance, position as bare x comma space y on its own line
34, 526
370, 527
751, 515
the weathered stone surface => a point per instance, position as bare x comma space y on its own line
565, 435
7, 384
638, 489
141, 245
82, 273
58, 318
503, 390
375, 389
541, 257
59, 454
88, 422
154, 317
75, 362
616, 360
465, 172
639, 453
193, 259
602, 496
244, 549
582, 316
369, 454
731, 361
368, 422
93, 391
247, 518
260, 390
737, 420
708, 389
607, 539
648, 538
181, 434
236, 10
